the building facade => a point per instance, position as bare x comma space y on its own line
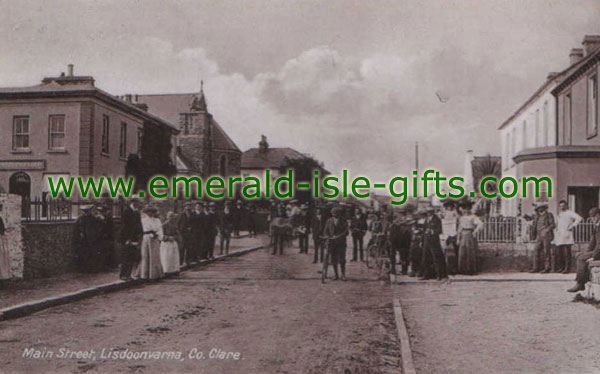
66, 126
535, 143
204, 148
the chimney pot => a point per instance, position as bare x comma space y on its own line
591, 43
552, 75
576, 55
70, 70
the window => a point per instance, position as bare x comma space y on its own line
545, 125
139, 136
592, 123
105, 133
537, 127
123, 141
513, 145
21, 132
567, 119
56, 132
524, 134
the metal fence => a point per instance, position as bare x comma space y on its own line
517, 230
56, 210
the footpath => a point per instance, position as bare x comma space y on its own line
28, 296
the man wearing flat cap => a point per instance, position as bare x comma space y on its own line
542, 231
592, 253
187, 229
336, 230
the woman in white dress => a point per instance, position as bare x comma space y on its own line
150, 266
4, 255
169, 249
468, 249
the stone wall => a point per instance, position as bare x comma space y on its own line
512, 257
47, 249
11, 215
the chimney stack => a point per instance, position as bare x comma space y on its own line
576, 55
591, 43
70, 71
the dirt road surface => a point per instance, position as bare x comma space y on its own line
503, 327
263, 313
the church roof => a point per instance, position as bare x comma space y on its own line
271, 158
170, 106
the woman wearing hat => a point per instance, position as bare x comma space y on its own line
169, 249
468, 227
150, 266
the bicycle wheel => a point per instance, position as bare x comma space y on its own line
371, 253
325, 264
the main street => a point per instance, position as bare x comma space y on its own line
262, 313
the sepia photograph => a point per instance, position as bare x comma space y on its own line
300, 186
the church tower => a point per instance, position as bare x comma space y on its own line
195, 138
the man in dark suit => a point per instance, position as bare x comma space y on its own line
542, 231
130, 238
188, 233
211, 222
225, 227
592, 253
336, 230
358, 228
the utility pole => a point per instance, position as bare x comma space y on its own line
417, 156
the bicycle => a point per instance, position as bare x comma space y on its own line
378, 252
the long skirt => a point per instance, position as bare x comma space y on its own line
169, 256
4, 259
150, 266
467, 253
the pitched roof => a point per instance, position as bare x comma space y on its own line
272, 158
557, 78
79, 86
170, 106
581, 68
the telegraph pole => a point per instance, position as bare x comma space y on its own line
417, 156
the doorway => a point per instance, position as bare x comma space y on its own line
582, 199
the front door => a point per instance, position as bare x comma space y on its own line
582, 199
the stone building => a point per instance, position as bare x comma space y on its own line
204, 148
66, 126
537, 140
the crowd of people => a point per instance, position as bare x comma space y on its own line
432, 244
149, 246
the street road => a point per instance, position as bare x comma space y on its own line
257, 313
500, 327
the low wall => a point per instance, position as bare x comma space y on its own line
47, 249
512, 257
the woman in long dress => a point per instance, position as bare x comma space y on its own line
169, 249
468, 227
150, 266
4, 255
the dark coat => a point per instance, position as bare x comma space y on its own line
337, 231
432, 231
358, 226
543, 226
131, 228
210, 224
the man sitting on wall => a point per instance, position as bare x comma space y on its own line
592, 253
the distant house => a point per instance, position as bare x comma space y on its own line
66, 126
256, 160
204, 148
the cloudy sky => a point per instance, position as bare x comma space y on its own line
351, 82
